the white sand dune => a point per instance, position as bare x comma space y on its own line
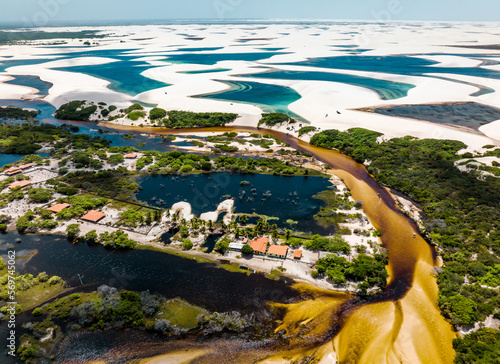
153, 44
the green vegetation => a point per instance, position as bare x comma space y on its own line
157, 113
27, 137
369, 272
176, 162
247, 250
30, 290
16, 113
187, 244
79, 205
72, 231
110, 183
334, 201
276, 118
186, 119
136, 115
75, 110
335, 244
462, 212
40, 195
8, 37
306, 130
357, 143
481, 347
115, 239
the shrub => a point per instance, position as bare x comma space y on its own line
75, 110
39, 195
72, 231
275, 118
247, 249
157, 113
134, 107
187, 244
136, 115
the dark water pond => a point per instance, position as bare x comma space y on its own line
140, 270
287, 198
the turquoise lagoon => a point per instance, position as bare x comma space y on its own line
386, 90
270, 98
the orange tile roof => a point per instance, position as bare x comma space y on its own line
131, 156
297, 254
26, 166
93, 216
20, 184
245, 241
12, 170
279, 250
59, 207
259, 245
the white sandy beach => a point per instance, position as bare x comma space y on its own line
318, 98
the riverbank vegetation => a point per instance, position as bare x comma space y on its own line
30, 290
27, 137
187, 119
368, 272
275, 118
109, 309
17, 113
461, 208
75, 110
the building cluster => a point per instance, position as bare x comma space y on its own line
90, 216
261, 246
12, 171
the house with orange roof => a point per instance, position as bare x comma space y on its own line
278, 251
131, 156
297, 254
259, 245
26, 166
19, 184
12, 171
93, 216
58, 208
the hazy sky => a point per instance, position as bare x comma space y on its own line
42, 12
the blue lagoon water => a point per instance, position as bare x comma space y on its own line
386, 90
43, 87
125, 76
271, 98
403, 65
213, 58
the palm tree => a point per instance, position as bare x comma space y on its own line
287, 234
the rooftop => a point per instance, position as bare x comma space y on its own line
297, 254
59, 207
131, 156
26, 166
93, 216
12, 170
236, 246
259, 245
20, 184
279, 250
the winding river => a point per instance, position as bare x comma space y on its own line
403, 324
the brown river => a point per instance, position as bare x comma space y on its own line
403, 324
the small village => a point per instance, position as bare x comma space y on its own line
88, 216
